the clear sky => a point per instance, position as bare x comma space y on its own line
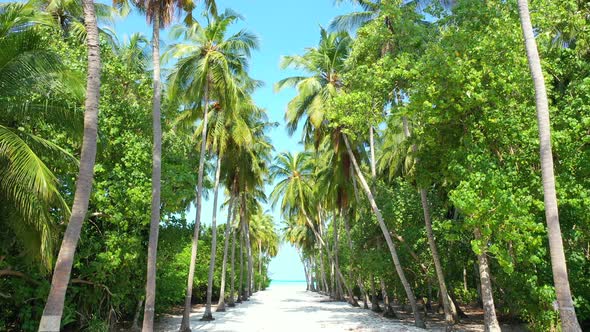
284, 27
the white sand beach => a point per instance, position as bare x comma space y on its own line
288, 308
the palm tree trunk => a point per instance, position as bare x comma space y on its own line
221, 302
250, 262
185, 324
241, 295
489, 309
339, 292
312, 275
451, 315
259, 264
409, 293
567, 313
231, 302
52, 313
323, 271
150, 288
305, 271
207, 316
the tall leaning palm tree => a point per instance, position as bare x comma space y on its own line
567, 313
52, 313
391, 245
209, 61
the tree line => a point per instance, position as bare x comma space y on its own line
76, 132
432, 173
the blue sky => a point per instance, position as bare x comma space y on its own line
284, 27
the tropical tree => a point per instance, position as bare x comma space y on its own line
28, 184
51, 319
325, 65
209, 61
567, 312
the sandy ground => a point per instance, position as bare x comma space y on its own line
288, 308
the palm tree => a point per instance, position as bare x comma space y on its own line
567, 313
392, 248
28, 185
325, 65
208, 63
264, 235
160, 14
228, 226
233, 133
51, 319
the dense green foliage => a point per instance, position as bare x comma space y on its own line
108, 278
433, 99
458, 75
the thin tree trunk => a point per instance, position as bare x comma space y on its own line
465, 279
150, 288
248, 252
241, 295
388, 311
364, 293
207, 316
567, 313
339, 291
231, 302
53, 311
260, 264
409, 293
372, 147
313, 274
221, 302
489, 309
451, 315
185, 324
135, 325
351, 278
305, 271
323, 272
374, 301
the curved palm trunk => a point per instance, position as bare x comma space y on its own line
451, 315
185, 324
409, 293
207, 316
150, 288
489, 309
221, 302
567, 313
231, 302
52, 313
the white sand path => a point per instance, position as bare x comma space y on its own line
288, 308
